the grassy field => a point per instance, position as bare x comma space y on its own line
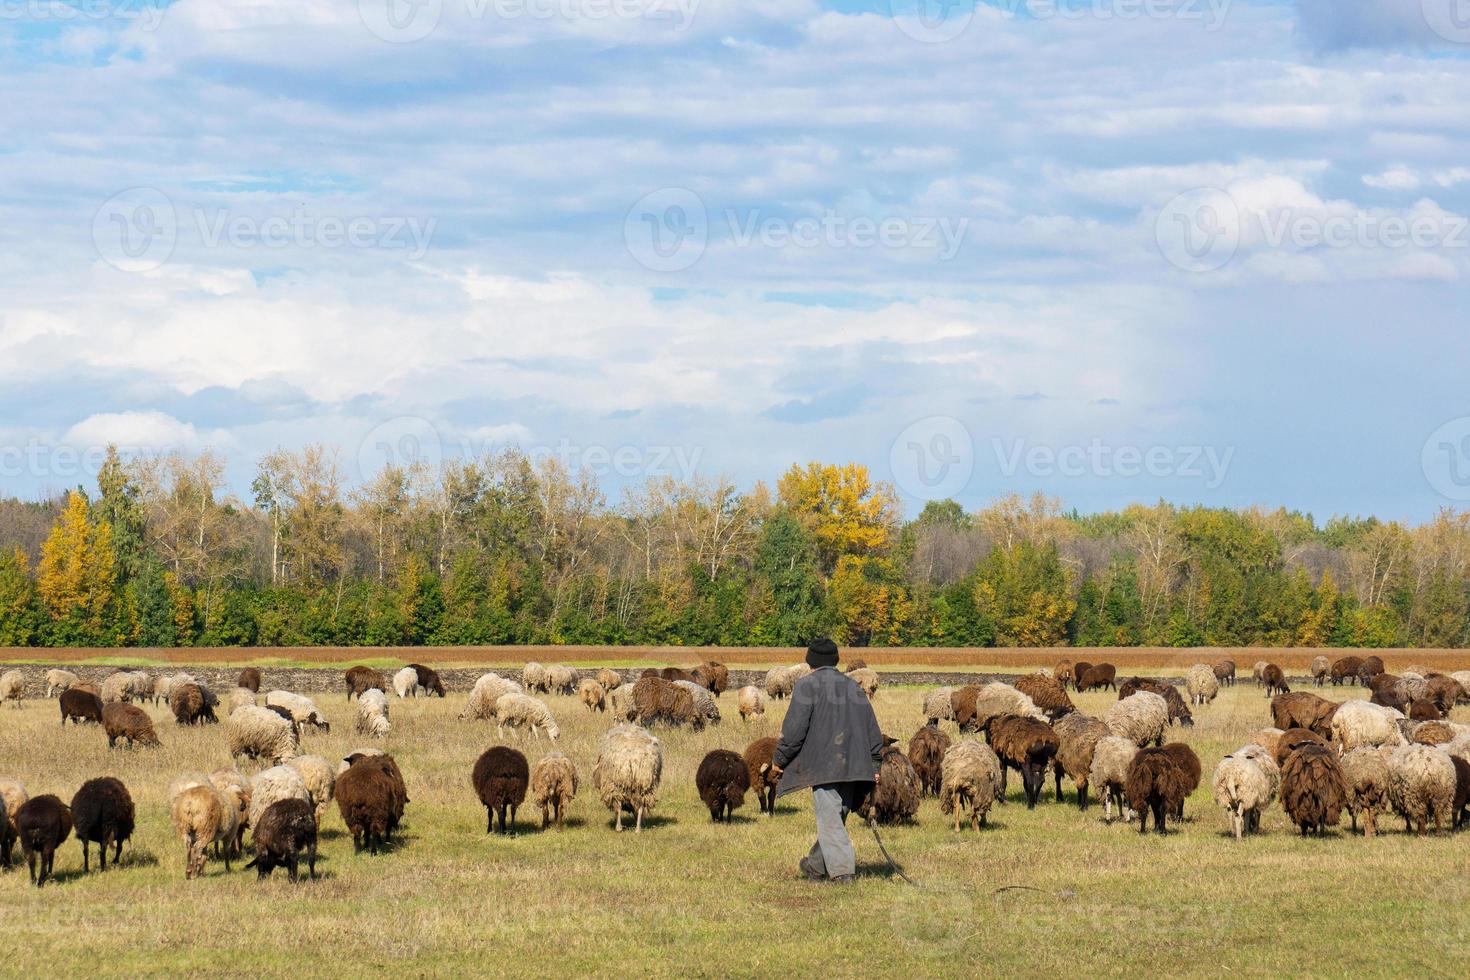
690, 898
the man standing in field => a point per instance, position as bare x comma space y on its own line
830, 743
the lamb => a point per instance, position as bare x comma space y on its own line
1154, 784
751, 701
302, 710
1321, 668
13, 796
1304, 710
592, 695
58, 680
191, 704
1140, 717
372, 714
1077, 737
969, 780
12, 687
500, 778
714, 676
128, 722
487, 690
1201, 684
974, 707
533, 677
629, 765
704, 701
758, 763
1313, 789
1098, 676
896, 797
200, 818
722, 781
102, 813
1365, 772
1188, 765
1243, 787
1344, 669
272, 785
655, 700
1109, 774
1421, 783
43, 824
610, 679
1026, 745
1225, 672
260, 733
516, 711
429, 680
285, 832
80, 706
554, 786
1274, 680
1047, 693
406, 683
939, 704
320, 779
1358, 724
1178, 710
926, 755
371, 796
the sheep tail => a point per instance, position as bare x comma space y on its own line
873, 826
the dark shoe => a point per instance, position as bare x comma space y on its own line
809, 872
844, 879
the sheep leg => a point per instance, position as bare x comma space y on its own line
1057, 771
618, 819
85, 868
1082, 796
311, 860
1159, 810
291, 866
638, 829
489, 820
31, 864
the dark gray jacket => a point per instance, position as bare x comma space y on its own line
830, 734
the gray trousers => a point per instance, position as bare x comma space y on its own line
833, 851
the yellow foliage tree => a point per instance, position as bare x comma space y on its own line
871, 606
78, 570
842, 508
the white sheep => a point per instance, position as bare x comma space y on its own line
240, 697
995, 700
1201, 684
320, 779
1243, 788
867, 679
406, 683
939, 704
533, 676
620, 704
1359, 724
259, 733
516, 711
200, 818
751, 701
1366, 773
592, 694
125, 686
487, 690
970, 781
778, 682
1141, 718
273, 785
561, 679
1321, 667
372, 714
1109, 774
1421, 784
630, 764
163, 686
301, 708
58, 680
704, 701
12, 687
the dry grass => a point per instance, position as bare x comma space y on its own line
689, 897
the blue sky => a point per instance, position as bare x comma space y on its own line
1114, 250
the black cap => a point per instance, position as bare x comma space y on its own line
821, 653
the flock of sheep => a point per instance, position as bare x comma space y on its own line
1397, 750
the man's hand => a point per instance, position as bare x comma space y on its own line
876, 776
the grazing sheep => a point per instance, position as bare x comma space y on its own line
1078, 669
239, 697
1410, 688
272, 785
12, 687
43, 824
673, 674
1369, 668
629, 765
704, 702
1258, 672
1189, 768
58, 680
1063, 673
429, 680
371, 796
867, 679
758, 763
658, 700
13, 796
1344, 669
926, 754
561, 679
128, 722
191, 704
1304, 710
610, 679
722, 781
896, 797
1243, 787
533, 677
302, 709
1313, 788
79, 706
1077, 738
1047, 693
320, 779
1421, 784
500, 778
249, 679
969, 781
1225, 672
1460, 677
1274, 680
751, 701
1098, 676
779, 682
620, 704
592, 695
360, 679
1140, 717
286, 830
974, 706
1025, 745
1445, 692
487, 690
126, 686
714, 676
517, 711
372, 714
1358, 724
1293, 739
1178, 710
1111, 758
406, 683
939, 704
554, 786
260, 733
1201, 684
1365, 772
1320, 670
200, 819
1154, 784
102, 813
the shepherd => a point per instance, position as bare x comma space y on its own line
831, 744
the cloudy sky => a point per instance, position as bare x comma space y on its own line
1116, 250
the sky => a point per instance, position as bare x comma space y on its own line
1210, 251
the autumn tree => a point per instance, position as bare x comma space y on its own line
845, 512
77, 576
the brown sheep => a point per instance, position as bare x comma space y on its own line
1077, 737
1078, 669
610, 679
1048, 693
1274, 680
1178, 710
554, 786
674, 674
722, 781
1445, 692
1025, 745
1225, 672
714, 676
128, 722
371, 796
1098, 676
1433, 733
1294, 738
1313, 788
1345, 669
896, 797
191, 704
1154, 784
500, 778
1189, 771
1304, 710
429, 679
1424, 710
1063, 672
102, 814
249, 679
656, 699
360, 679
926, 753
80, 705
43, 824
857, 665
1461, 799
758, 758
1370, 668
285, 830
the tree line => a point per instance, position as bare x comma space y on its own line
510, 550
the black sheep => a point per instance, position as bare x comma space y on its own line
371, 796
1025, 745
926, 752
285, 831
43, 824
1154, 783
429, 679
722, 780
80, 706
102, 813
1274, 680
500, 777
